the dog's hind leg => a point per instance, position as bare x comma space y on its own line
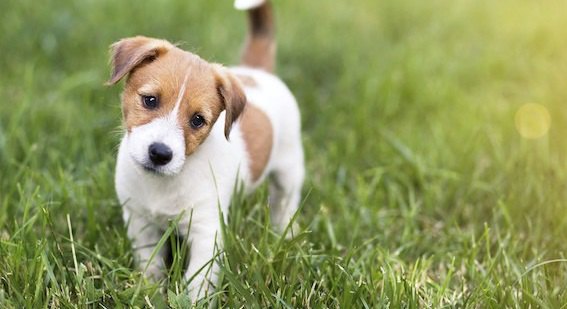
285, 192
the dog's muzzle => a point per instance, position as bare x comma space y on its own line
160, 154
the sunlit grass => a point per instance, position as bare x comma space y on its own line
532, 121
430, 181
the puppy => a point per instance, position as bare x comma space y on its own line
193, 130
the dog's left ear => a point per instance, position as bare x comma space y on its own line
127, 54
232, 96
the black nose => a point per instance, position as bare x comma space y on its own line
160, 154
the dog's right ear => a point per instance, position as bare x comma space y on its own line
129, 53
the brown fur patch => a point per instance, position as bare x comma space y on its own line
132, 52
233, 98
260, 47
209, 89
258, 135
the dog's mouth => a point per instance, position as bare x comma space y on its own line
144, 165
150, 168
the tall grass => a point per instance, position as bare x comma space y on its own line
420, 191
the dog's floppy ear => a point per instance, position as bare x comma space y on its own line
129, 53
232, 96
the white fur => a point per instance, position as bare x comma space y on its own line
164, 130
198, 186
247, 4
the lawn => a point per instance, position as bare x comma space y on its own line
436, 150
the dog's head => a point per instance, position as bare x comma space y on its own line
171, 100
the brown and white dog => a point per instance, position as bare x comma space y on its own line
192, 131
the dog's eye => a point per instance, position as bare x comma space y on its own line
197, 121
150, 102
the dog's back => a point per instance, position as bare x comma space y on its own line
268, 96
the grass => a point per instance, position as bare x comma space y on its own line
420, 190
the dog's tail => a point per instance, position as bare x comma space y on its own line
260, 46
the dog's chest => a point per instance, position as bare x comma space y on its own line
157, 199
165, 204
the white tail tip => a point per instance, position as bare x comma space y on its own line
247, 4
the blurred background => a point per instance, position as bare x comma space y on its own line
435, 147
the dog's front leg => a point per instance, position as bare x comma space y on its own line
144, 237
205, 241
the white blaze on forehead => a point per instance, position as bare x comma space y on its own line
181, 92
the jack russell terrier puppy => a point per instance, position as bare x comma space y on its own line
193, 130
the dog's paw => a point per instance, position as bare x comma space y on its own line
290, 231
154, 272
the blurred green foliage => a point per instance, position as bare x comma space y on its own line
420, 191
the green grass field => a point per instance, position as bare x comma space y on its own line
421, 191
